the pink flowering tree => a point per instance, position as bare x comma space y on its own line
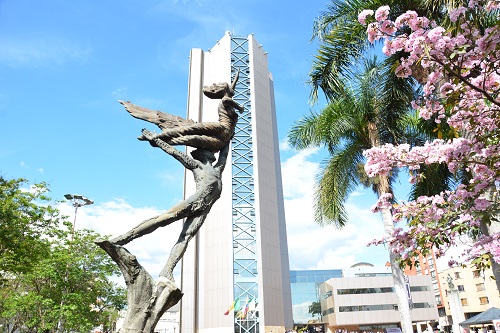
461, 90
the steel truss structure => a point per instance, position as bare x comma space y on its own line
245, 271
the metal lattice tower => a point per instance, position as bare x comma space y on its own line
244, 232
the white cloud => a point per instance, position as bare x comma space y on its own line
116, 217
298, 173
40, 51
119, 92
314, 247
310, 246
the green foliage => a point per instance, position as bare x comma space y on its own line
315, 309
371, 110
49, 282
343, 40
24, 218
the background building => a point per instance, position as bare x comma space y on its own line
477, 290
369, 303
427, 265
241, 251
169, 322
306, 294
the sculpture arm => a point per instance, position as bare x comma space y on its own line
221, 162
186, 160
228, 102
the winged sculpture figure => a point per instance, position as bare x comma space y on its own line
204, 135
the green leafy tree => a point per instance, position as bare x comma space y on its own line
63, 282
315, 309
25, 217
370, 112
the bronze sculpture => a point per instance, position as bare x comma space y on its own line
205, 135
148, 299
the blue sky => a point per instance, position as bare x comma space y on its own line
64, 65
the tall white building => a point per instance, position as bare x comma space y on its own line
241, 251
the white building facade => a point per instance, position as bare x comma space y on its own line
241, 251
368, 303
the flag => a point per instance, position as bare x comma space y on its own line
247, 307
252, 306
237, 309
235, 305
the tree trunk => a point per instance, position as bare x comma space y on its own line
397, 273
491, 229
147, 300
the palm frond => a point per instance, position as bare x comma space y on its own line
338, 179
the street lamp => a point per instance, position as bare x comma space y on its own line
78, 201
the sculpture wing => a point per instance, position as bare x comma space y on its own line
161, 119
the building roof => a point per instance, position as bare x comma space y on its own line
484, 317
362, 264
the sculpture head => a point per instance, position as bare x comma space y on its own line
203, 155
219, 90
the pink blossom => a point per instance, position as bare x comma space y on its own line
454, 14
382, 13
387, 27
373, 32
405, 18
461, 92
435, 34
363, 15
492, 4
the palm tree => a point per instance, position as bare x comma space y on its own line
343, 40
371, 112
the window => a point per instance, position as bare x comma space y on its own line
460, 287
464, 301
480, 287
457, 275
364, 291
419, 288
327, 312
483, 300
379, 307
476, 273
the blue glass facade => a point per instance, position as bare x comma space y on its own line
305, 291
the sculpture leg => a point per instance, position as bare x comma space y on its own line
189, 230
150, 225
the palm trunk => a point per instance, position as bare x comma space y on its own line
397, 273
489, 230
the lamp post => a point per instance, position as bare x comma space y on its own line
77, 201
